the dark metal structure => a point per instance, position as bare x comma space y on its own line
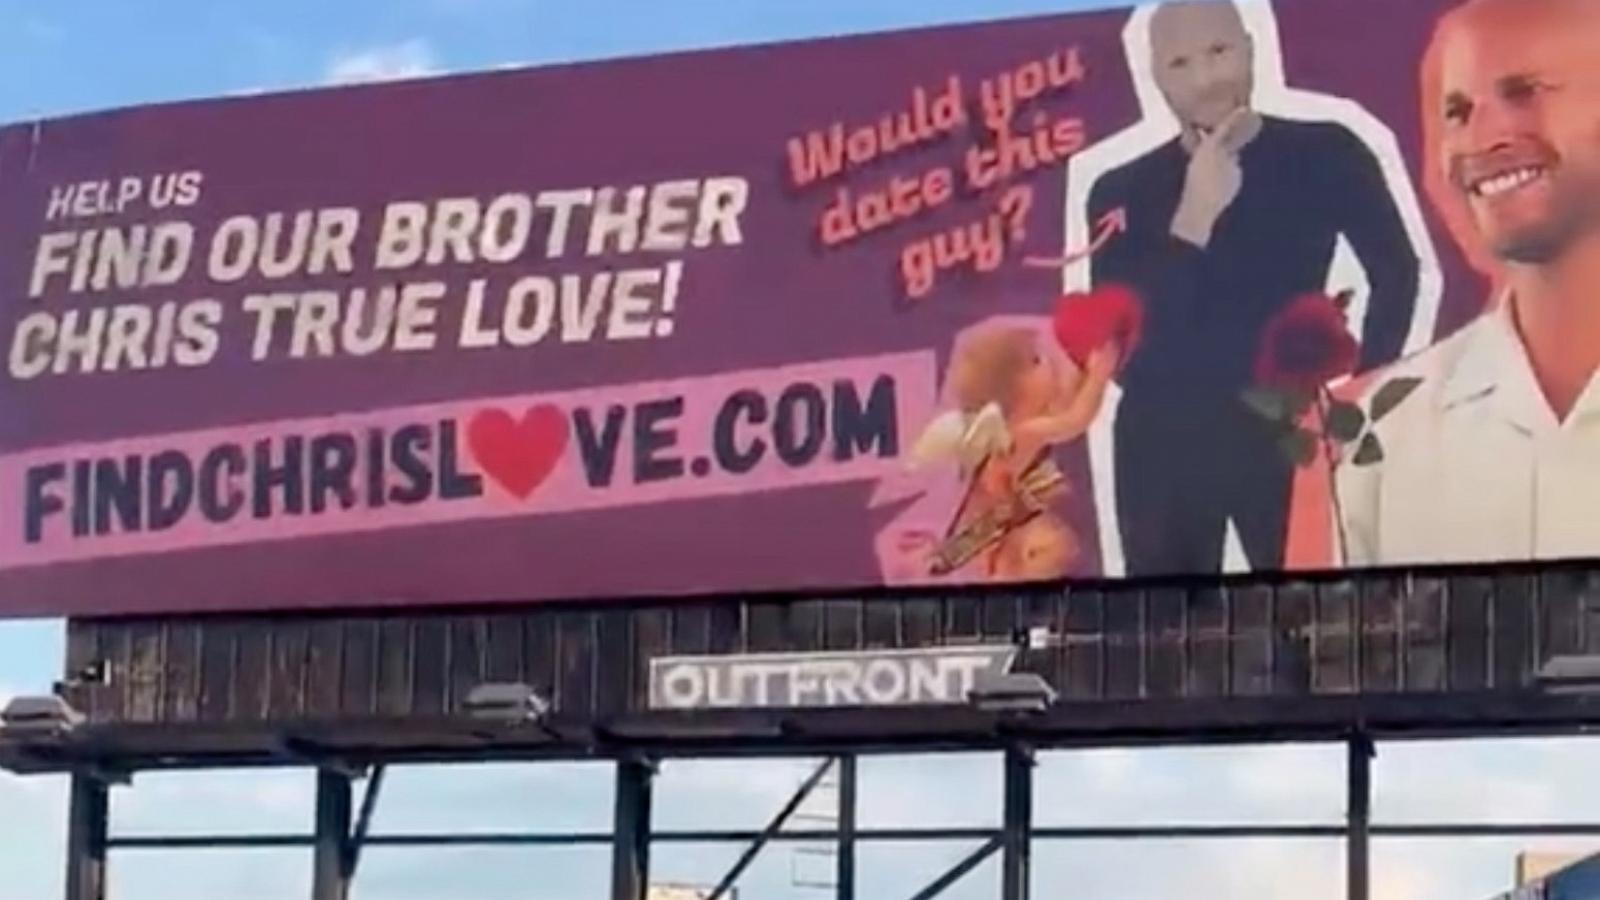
336, 846
1389, 654
1384, 656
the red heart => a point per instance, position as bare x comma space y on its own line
520, 454
1083, 322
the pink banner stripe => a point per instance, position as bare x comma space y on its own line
826, 405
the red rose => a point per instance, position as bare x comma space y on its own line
1085, 322
1306, 345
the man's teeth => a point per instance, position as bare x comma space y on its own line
1510, 181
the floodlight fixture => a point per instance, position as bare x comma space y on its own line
506, 703
1023, 692
39, 718
1042, 637
1570, 675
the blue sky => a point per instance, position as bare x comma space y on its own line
143, 52
62, 56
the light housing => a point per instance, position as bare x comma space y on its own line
1570, 675
28, 718
1024, 692
509, 703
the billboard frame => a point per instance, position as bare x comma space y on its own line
340, 831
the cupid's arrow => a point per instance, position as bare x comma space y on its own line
1113, 223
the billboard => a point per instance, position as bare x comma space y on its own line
1192, 288
1570, 879
1534, 866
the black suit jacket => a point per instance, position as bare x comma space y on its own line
1305, 184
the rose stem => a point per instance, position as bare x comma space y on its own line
1324, 407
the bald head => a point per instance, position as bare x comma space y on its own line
1173, 20
1519, 122
1202, 61
1471, 9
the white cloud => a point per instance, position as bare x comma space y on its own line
393, 62
247, 800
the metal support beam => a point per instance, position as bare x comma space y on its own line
960, 870
630, 841
308, 752
876, 835
331, 841
86, 838
1359, 826
1017, 827
845, 878
358, 837
773, 827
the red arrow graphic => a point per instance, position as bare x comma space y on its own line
1113, 223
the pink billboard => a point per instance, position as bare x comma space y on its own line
1182, 290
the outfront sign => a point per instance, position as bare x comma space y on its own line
930, 676
1070, 296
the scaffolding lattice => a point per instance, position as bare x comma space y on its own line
813, 865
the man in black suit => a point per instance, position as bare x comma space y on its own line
1227, 224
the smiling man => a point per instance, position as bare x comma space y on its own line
1497, 456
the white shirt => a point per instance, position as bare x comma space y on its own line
1476, 468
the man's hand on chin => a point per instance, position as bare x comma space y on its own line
1213, 179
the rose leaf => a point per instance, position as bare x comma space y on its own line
1300, 446
1370, 452
1391, 395
1345, 421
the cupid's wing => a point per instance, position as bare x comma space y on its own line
941, 441
968, 441
987, 435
